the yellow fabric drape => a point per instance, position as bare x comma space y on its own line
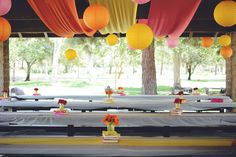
122, 15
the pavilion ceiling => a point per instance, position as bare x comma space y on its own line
25, 23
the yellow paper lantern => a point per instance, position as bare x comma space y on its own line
225, 40
226, 52
207, 42
225, 13
70, 54
139, 36
112, 39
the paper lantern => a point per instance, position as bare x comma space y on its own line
141, 1
225, 40
172, 43
226, 52
207, 42
70, 54
112, 39
5, 29
139, 36
225, 13
5, 6
96, 16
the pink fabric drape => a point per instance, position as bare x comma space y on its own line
171, 17
61, 17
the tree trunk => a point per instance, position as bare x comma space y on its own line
177, 81
149, 85
120, 72
216, 68
56, 54
22, 64
110, 69
28, 71
189, 72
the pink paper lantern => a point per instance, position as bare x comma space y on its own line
5, 6
172, 43
141, 1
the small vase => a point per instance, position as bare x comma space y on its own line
61, 107
177, 106
110, 127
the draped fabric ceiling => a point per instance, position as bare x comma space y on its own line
166, 17
169, 17
61, 17
122, 15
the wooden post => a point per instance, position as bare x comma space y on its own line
4, 66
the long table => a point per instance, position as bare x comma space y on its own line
93, 119
144, 104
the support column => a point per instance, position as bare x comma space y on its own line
4, 66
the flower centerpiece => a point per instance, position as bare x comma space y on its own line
195, 91
5, 94
61, 110
120, 91
110, 135
109, 93
181, 96
177, 109
36, 92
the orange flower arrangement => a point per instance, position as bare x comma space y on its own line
111, 120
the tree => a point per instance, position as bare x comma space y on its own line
149, 86
31, 50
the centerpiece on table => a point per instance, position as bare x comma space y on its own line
4, 95
36, 92
120, 91
109, 92
177, 109
195, 91
181, 96
61, 110
110, 135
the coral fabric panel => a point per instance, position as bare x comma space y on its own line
171, 17
61, 17
122, 15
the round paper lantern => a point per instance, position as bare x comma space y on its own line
226, 52
207, 42
112, 39
70, 54
5, 29
225, 14
139, 36
172, 43
5, 6
225, 40
96, 16
141, 1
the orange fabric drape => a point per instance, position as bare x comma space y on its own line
61, 17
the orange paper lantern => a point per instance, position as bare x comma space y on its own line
226, 52
207, 42
96, 16
5, 29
